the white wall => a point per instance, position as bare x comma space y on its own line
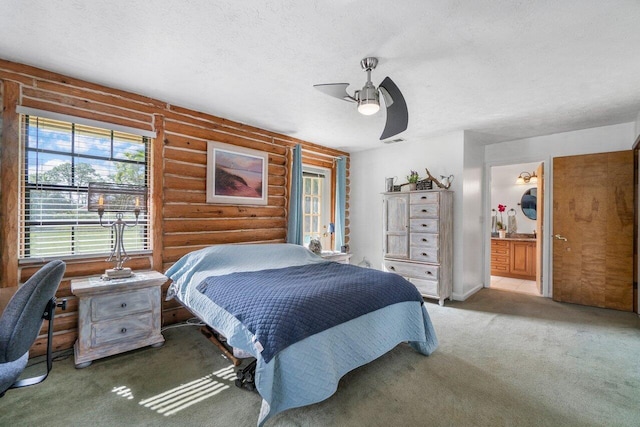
444, 155
472, 220
545, 148
586, 141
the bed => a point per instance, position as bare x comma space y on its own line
306, 370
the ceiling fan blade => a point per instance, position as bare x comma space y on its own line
397, 114
337, 90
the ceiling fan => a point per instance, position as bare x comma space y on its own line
368, 99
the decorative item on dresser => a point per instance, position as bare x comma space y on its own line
418, 240
117, 315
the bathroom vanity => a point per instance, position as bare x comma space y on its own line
514, 257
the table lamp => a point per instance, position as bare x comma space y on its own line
118, 198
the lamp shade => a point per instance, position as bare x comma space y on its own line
368, 100
116, 197
368, 108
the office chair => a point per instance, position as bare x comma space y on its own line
21, 322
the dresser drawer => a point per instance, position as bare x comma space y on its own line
105, 307
428, 210
499, 250
410, 269
424, 254
426, 287
499, 246
424, 225
125, 329
424, 240
501, 259
420, 198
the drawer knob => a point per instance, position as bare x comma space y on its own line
429, 273
392, 268
123, 330
424, 225
424, 210
424, 240
423, 197
424, 254
123, 305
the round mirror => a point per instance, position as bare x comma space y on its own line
528, 203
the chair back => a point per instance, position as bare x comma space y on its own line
22, 318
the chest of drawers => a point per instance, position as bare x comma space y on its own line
418, 242
117, 315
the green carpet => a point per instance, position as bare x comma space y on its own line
504, 359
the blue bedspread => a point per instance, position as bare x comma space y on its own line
308, 371
280, 306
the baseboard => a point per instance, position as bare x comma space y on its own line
462, 297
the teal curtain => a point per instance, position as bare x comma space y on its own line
294, 229
341, 200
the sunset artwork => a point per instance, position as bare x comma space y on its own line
235, 175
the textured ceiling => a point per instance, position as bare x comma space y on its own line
505, 69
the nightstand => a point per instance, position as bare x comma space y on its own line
341, 257
117, 315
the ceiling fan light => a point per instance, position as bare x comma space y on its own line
368, 99
369, 107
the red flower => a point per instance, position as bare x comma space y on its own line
501, 208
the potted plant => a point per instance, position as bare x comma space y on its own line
413, 179
500, 225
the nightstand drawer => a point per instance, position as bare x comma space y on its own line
125, 329
113, 306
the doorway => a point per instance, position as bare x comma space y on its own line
516, 212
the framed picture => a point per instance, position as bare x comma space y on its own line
236, 175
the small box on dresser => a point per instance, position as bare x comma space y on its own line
418, 240
119, 315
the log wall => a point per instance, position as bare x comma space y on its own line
181, 220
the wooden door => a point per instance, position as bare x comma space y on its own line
593, 230
539, 225
396, 226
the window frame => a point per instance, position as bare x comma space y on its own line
26, 225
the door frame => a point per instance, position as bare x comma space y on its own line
547, 286
636, 231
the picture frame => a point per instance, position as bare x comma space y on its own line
236, 175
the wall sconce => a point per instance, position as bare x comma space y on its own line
527, 178
119, 198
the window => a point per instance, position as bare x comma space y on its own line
316, 205
59, 160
